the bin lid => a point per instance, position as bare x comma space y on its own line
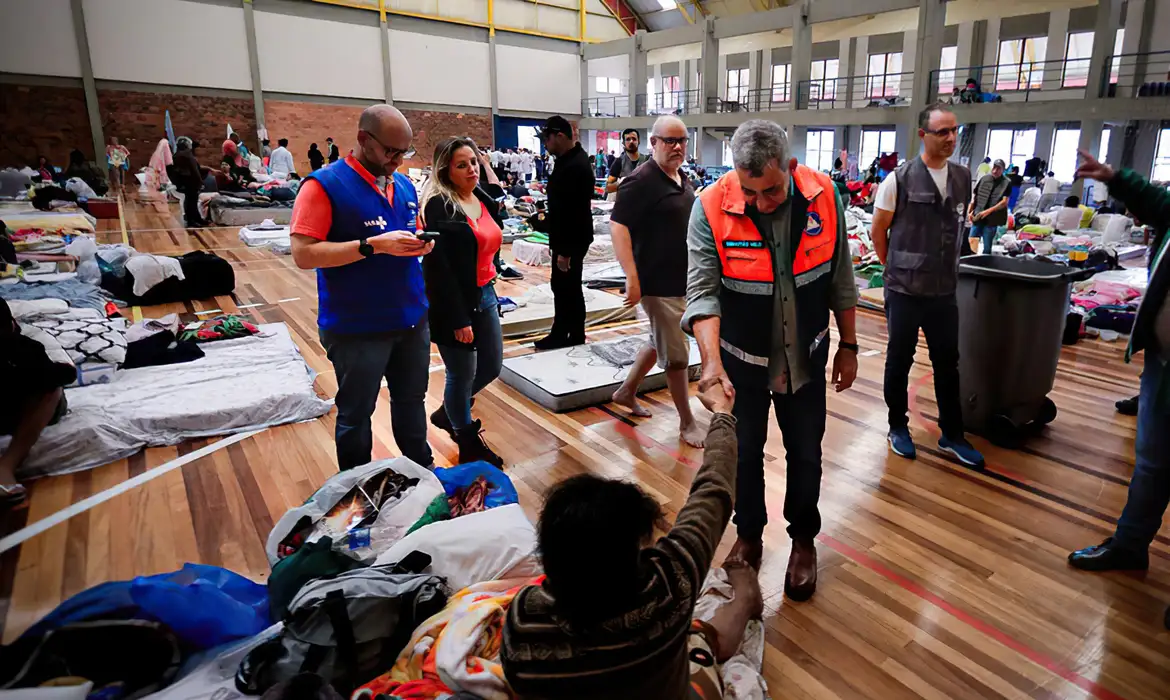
1003, 267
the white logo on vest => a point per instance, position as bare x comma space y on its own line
379, 222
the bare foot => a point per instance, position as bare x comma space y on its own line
730, 621
693, 435
628, 400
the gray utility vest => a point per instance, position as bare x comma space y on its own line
926, 234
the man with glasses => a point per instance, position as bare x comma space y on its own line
649, 227
918, 232
354, 222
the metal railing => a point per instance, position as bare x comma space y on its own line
1137, 75
879, 90
616, 106
677, 102
1025, 81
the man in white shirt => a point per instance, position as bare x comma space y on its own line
1068, 217
529, 165
514, 163
1051, 184
281, 161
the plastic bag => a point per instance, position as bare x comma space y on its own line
459, 477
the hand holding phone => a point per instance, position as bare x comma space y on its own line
427, 236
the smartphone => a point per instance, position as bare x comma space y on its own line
427, 236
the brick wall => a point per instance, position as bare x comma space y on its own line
37, 120
303, 123
137, 119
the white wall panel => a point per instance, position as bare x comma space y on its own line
36, 37
538, 81
169, 42
437, 70
318, 57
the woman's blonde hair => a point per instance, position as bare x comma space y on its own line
439, 184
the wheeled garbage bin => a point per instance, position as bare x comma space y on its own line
1011, 319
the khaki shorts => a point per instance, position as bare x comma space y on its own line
705, 681
666, 333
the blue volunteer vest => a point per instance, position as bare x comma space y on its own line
376, 294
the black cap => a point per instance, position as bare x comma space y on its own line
556, 124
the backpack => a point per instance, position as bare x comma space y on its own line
348, 628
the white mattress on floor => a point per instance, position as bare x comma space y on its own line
572, 378
254, 238
536, 315
238, 385
246, 216
538, 255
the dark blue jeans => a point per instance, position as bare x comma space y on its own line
1149, 488
801, 417
938, 317
361, 360
470, 369
986, 234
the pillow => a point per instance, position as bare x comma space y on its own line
96, 340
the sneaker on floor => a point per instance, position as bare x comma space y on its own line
902, 444
511, 273
961, 450
1127, 407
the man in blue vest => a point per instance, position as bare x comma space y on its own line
354, 222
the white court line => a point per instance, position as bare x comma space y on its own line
209, 311
281, 301
247, 306
871, 353
80, 507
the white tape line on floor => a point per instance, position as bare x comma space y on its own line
80, 507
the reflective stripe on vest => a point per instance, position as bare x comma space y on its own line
742, 249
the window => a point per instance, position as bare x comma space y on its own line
615, 86
670, 93
875, 142
781, 74
727, 161
946, 72
602, 84
1077, 54
1063, 162
1114, 60
608, 86
737, 85
818, 149
650, 88
1161, 171
824, 79
883, 79
1013, 146
1021, 64
1103, 153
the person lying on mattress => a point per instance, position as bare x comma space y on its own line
613, 617
34, 399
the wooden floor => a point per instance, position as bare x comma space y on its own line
935, 582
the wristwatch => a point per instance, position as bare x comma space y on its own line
365, 248
851, 347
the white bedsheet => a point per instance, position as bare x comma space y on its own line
238, 385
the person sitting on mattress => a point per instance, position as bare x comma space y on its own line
460, 279
34, 398
614, 615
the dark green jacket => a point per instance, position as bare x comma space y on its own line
1149, 204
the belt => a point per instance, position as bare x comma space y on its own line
744, 356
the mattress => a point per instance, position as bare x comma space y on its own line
256, 237
50, 221
535, 314
239, 385
248, 216
538, 255
604, 276
571, 378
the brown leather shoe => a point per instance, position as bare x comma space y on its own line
801, 580
750, 552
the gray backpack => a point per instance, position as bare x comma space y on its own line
348, 629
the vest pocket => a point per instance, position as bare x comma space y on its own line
921, 197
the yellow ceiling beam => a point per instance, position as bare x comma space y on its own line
690, 20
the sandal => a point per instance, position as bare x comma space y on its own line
13, 494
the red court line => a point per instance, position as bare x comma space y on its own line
1040, 659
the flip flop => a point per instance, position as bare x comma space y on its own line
13, 494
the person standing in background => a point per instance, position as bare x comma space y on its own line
372, 304
189, 181
917, 233
988, 208
568, 221
316, 158
334, 154
281, 160
983, 169
265, 150
1051, 184
118, 161
630, 159
541, 162
601, 163
649, 227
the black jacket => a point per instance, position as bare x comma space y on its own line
450, 270
569, 220
187, 175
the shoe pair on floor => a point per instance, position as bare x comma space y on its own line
472, 446
1110, 556
800, 581
903, 446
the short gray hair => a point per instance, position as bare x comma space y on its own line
758, 142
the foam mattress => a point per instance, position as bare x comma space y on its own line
249, 216
255, 237
572, 378
535, 315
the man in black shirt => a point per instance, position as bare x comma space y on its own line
627, 162
334, 154
569, 225
649, 227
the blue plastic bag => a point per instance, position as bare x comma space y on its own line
204, 606
502, 492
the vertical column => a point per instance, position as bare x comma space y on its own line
1131, 70
88, 84
853, 143
798, 142
801, 70
1145, 144
1090, 135
860, 71
847, 53
979, 145
1045, 132
963, 50
986, 75
909, 55
1115, 156
709, 68
752, 98
1104, 31
638, 75
928, 39
1054, 55
584, 78
254, 65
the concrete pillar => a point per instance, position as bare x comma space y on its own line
88, 85
638, 74
754, 70
492, 77
801, 57
857, 96
1045, 132
1145, 144
1090, 141
986, 75
963, 50
906, 84
854, 145
905, 139
1054, 55
798, 142
979, 145
709, 68
1104, 31
712, 150
846, 68
1132, 71
922, 55
254, 66
721, 77
1116, 146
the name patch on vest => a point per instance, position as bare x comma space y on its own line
813, 227
743, 244
380, 222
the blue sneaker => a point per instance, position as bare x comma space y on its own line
961, 450
902, 444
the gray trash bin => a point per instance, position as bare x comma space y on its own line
1011, 319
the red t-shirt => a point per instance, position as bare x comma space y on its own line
312, 213
489, 237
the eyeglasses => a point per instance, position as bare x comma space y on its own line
673, 141
391, 153
942, 132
